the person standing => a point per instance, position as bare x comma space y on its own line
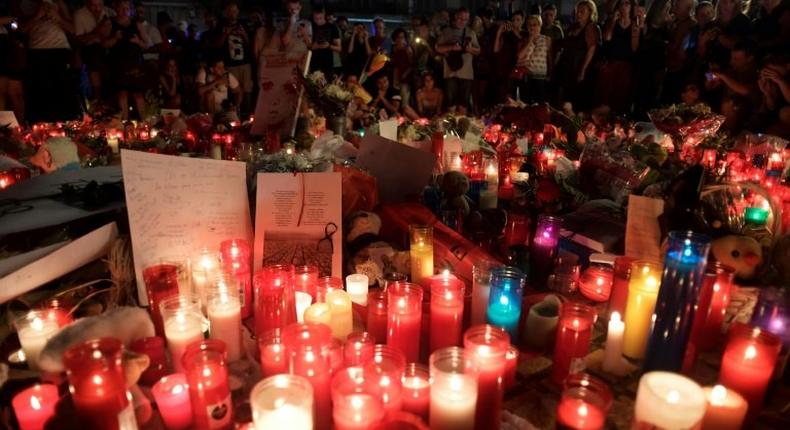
508, 40
297, 34
578, 50
326, 41
535, 56
234, 42
459, 45
91, 26
614, 83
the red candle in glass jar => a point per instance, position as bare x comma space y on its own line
205, 366
488, 345
57, 310
584, 403
34, 406
574, 332
171, 394
447, 311
516, 229
417, 390
306, 279
235, 257
308, 346
711, 307
621, 276
748, 363
595, 283
324, 285
385, 372
161, 282
154, 348
271, 306
356, 402
358, 349
98, 384
404, 315
274, 357
377, 315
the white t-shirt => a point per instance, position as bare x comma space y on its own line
85, 22
46, 34
221, 93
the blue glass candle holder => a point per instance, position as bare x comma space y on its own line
504, 304
684, 268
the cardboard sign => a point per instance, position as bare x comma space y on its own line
298, 220
179, 205
401, 172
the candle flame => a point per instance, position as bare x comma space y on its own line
97, 354
750, 353
37, 324
615, 317
599, 281
356, 402
385, 381
673, 397
178, 389
456, 383
35, 403
716, 287
583, 410
651, 281
98, 380
503, 300
206, 372
718, 395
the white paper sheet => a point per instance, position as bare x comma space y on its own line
178, 205
58, 263
298, 220
642, 231
388, 129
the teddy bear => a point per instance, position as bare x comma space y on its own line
454, 186
367, 252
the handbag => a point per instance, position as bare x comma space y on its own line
455, 59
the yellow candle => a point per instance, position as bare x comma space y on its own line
318, 313
421, 252
642, 293
341, 320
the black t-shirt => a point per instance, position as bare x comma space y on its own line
322, 58
236, 47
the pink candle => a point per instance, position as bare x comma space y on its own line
172, 399
359, 349
584, 403
748, 363
385, 371
489, 346
417, 390
271, 306
235, 256
274, 358
447, 311
209, 393
356, 404
574, 331
511, 366
404, 314
308, 346
377, 315
34, 406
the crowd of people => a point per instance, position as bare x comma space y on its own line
618, 55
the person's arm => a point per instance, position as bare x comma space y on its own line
636, 34
498, 40
257, 43
549, 56
335, 45
780, 82
368, 48
473, 47
352, 42
443, 47
207, 86
114, 38
421, 101
734, 86
592, 34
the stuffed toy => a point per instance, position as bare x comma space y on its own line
367, 252
56, 153
454, 186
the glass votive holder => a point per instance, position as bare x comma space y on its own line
453, 389
357, 402
402, 421
205, 366
57, 310
572, 344
421, 252
565, 279
393, 277
35, 406
97, 383
183, 323
404, 316
282, 401
359, 348
446, 312
324, 285
595, 283
511, 367
544, 250
303, 301
385, 370
377, 314
516, 229
306, 279
34, 329
235, 256
205, 266
504, 306
171, 394
488, 346
223, 305
642, 293
417, 389
271, 306
161, 282
584, 403
154, 348
336, 358
274, 357
309, 347
667, 400
481, 288
622, 274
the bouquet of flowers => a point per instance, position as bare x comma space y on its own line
330, 97
686, 120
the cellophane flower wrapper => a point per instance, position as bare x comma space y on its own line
611, 174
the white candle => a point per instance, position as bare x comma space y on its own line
303, 301
34, 330
182, 328
224, 314
357, 288
455, 163
668, 400
282, 402
112, 142
613, 354
318, 313
205, 267
342, 320
492, 174
453, 400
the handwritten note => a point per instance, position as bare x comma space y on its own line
642, 232
178, 205
298, 220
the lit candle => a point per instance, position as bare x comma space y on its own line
112, 141
642, 293
34, 406
308, 347
154, 348
303, 301
613, 354
236, 257
511, 366
274, 357
306, 279
97, 382
342, 319
34, 330
481, 287
504, 307
622, 274
207, 377
357, 288
404, 314
544, 250
748, 363
161, 282
282, 402
488, 347
183, 326
57, 310
447, 310
421, 252
384, 371
358, 349
595, 283
574, 332
725, 409
456, 163
584, 403
172, 400
417, 390
273, 285
356, 405
318, 313
668, 400
377, 314
709, 158
224, 314
453, 390
205, 267
713, 301
326, 284
336, 355
492, 173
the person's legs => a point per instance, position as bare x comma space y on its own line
451, 93
464, 93
123, 104
139, 104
